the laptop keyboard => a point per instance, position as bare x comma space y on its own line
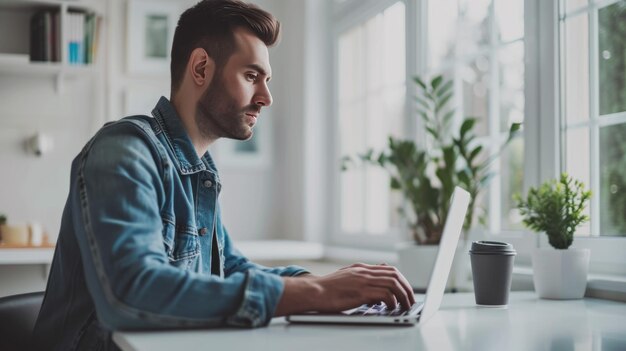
381, 309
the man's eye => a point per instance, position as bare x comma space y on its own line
251, 77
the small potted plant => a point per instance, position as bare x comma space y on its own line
556, 208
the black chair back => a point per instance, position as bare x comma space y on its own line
18, 314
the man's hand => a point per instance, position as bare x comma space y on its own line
346, 288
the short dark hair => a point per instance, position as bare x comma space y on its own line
210, 24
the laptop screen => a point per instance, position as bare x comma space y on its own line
445, 255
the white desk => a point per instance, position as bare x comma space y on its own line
528, 324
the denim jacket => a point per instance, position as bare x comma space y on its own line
142, 244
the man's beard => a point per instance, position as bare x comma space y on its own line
217, 113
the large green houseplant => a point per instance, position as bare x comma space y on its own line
556, 208
426, 173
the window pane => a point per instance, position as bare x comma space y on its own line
352, 200
509, 19
393, 45
574, 4
577, 163
512, 173
373, 34
372, 92
442, 24
473, 24
612, 58
613, 180
576, 69
511, 60
475, 79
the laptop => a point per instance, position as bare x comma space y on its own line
422, 310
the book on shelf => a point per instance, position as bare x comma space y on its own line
84, 31
78, 36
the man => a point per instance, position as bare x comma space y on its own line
142, 244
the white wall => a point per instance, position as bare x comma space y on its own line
267, 203
34, 189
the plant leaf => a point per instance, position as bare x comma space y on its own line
513, 131
436, 81
433, 132
475, 153
423, 102
419, 82
448, 117
444, 88
395, 183
442, 102
467, 125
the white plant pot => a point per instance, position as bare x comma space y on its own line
560, 274
416, 263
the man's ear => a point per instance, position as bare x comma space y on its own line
201, 67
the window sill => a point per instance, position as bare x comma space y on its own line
280, 250
601, 286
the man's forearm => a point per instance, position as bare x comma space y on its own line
300, 294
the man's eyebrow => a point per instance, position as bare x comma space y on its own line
259, 69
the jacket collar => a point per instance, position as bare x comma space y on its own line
185, 157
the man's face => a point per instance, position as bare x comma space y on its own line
233, 100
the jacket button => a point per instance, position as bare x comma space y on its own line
207, 183
202, 231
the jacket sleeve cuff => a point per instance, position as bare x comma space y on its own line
262, 292
295, 271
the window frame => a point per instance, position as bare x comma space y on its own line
606, 252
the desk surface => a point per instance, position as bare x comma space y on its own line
528, 323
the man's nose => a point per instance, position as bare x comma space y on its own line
263, 97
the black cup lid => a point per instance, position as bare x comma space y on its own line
492, 248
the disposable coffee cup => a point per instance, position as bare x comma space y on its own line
492, 269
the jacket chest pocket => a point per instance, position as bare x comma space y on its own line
181, 244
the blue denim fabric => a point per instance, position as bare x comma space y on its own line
135, 245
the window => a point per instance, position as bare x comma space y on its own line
480, 44
593, 107
370, 106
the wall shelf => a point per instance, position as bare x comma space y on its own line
16, 17
42, 69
